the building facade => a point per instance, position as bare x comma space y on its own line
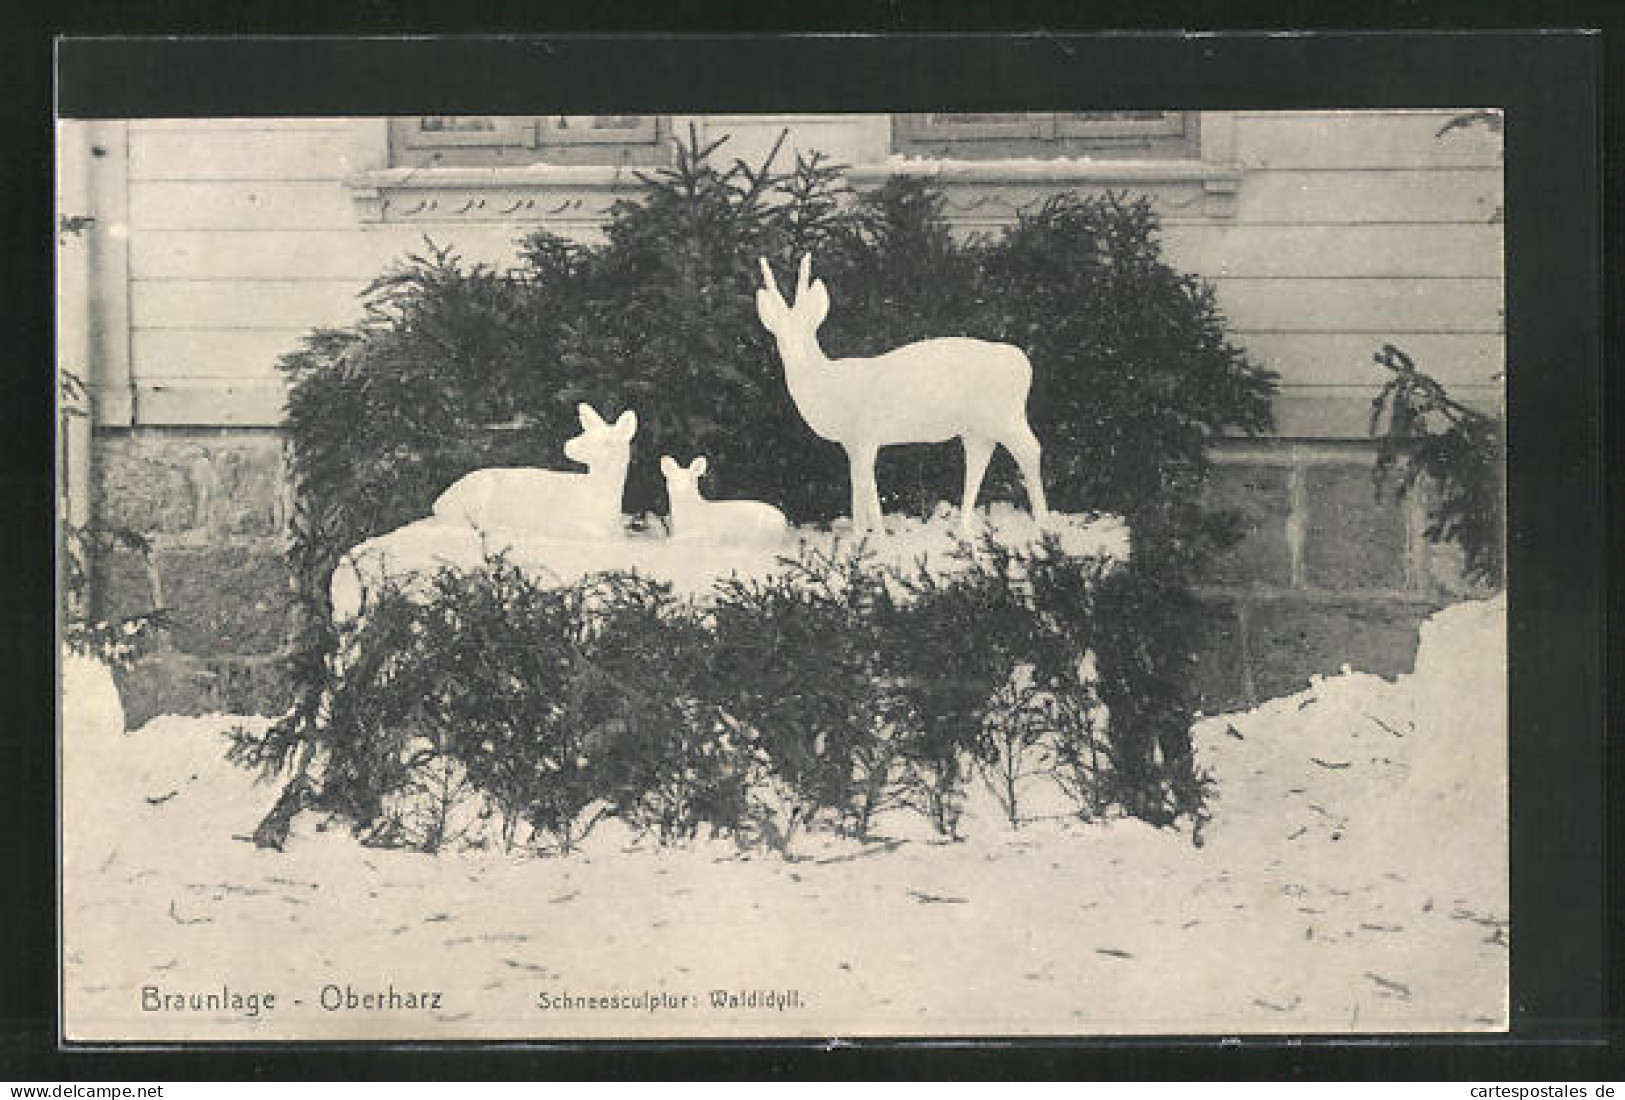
196, 252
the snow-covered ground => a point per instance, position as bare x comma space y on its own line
1353, 877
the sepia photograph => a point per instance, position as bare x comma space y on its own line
783, 575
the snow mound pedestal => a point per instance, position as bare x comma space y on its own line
694, 567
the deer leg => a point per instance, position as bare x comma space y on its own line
877, 516
865, 498
977, 453
1023, 444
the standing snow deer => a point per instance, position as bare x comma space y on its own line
552, 503
926, 392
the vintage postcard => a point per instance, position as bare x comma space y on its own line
742, 575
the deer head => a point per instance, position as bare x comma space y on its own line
600, 443
792, 323
680, 477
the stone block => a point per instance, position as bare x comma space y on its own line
1215, 681
180, 683
134, 486
1257, 494
230, 599
1353, 539
251, 685
216, 599
1290, 640
209, 484
164, 683
121, 584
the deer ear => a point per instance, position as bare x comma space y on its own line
589, 416
769, 311
626, 424
668, 466
698, 466
816, 302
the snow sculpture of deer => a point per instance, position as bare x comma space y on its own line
926, 392
722, 521
552, 503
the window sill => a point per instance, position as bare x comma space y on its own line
1185, 181
530, 192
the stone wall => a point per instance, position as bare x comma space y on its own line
1324, 574
213, 503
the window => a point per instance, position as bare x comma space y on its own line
492, 140
1120, 134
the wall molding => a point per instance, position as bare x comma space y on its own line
1215, 184
510, 193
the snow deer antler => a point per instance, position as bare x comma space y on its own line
926, 392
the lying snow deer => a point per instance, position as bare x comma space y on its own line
552, 503
925, 392
724, 521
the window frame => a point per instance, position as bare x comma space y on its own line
1176, 135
